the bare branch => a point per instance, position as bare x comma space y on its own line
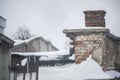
22, 33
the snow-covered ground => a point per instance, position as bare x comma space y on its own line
88, 69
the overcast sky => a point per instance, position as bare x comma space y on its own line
48, 18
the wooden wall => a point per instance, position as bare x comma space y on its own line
4, 61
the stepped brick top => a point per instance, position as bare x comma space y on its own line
85, 30
88, 31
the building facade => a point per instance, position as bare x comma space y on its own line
5, 57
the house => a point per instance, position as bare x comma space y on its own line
6, 45
35, 44
32, 45
96, 40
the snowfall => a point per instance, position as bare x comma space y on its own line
88, 69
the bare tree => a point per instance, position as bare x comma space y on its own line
22, 33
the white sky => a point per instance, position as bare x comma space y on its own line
48, 18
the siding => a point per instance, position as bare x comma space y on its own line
4, 61
43, 46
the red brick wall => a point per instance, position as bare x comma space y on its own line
95, 18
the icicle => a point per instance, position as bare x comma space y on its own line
29, 58
35, 59
27, 64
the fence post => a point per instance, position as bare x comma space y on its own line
23, 76
30, 76
15, 75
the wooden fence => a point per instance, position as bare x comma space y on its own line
29, 71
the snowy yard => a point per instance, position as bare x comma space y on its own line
88, 69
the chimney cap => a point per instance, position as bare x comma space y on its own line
95, 11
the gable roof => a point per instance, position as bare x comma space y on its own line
17, 42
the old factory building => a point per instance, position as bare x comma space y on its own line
98, 41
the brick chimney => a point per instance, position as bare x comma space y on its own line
2, 24
95, 18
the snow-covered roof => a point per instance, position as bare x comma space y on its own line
6, 39
17, 42
50, 53
53, 55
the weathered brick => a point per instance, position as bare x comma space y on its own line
95, 18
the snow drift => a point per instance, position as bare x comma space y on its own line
88, 69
